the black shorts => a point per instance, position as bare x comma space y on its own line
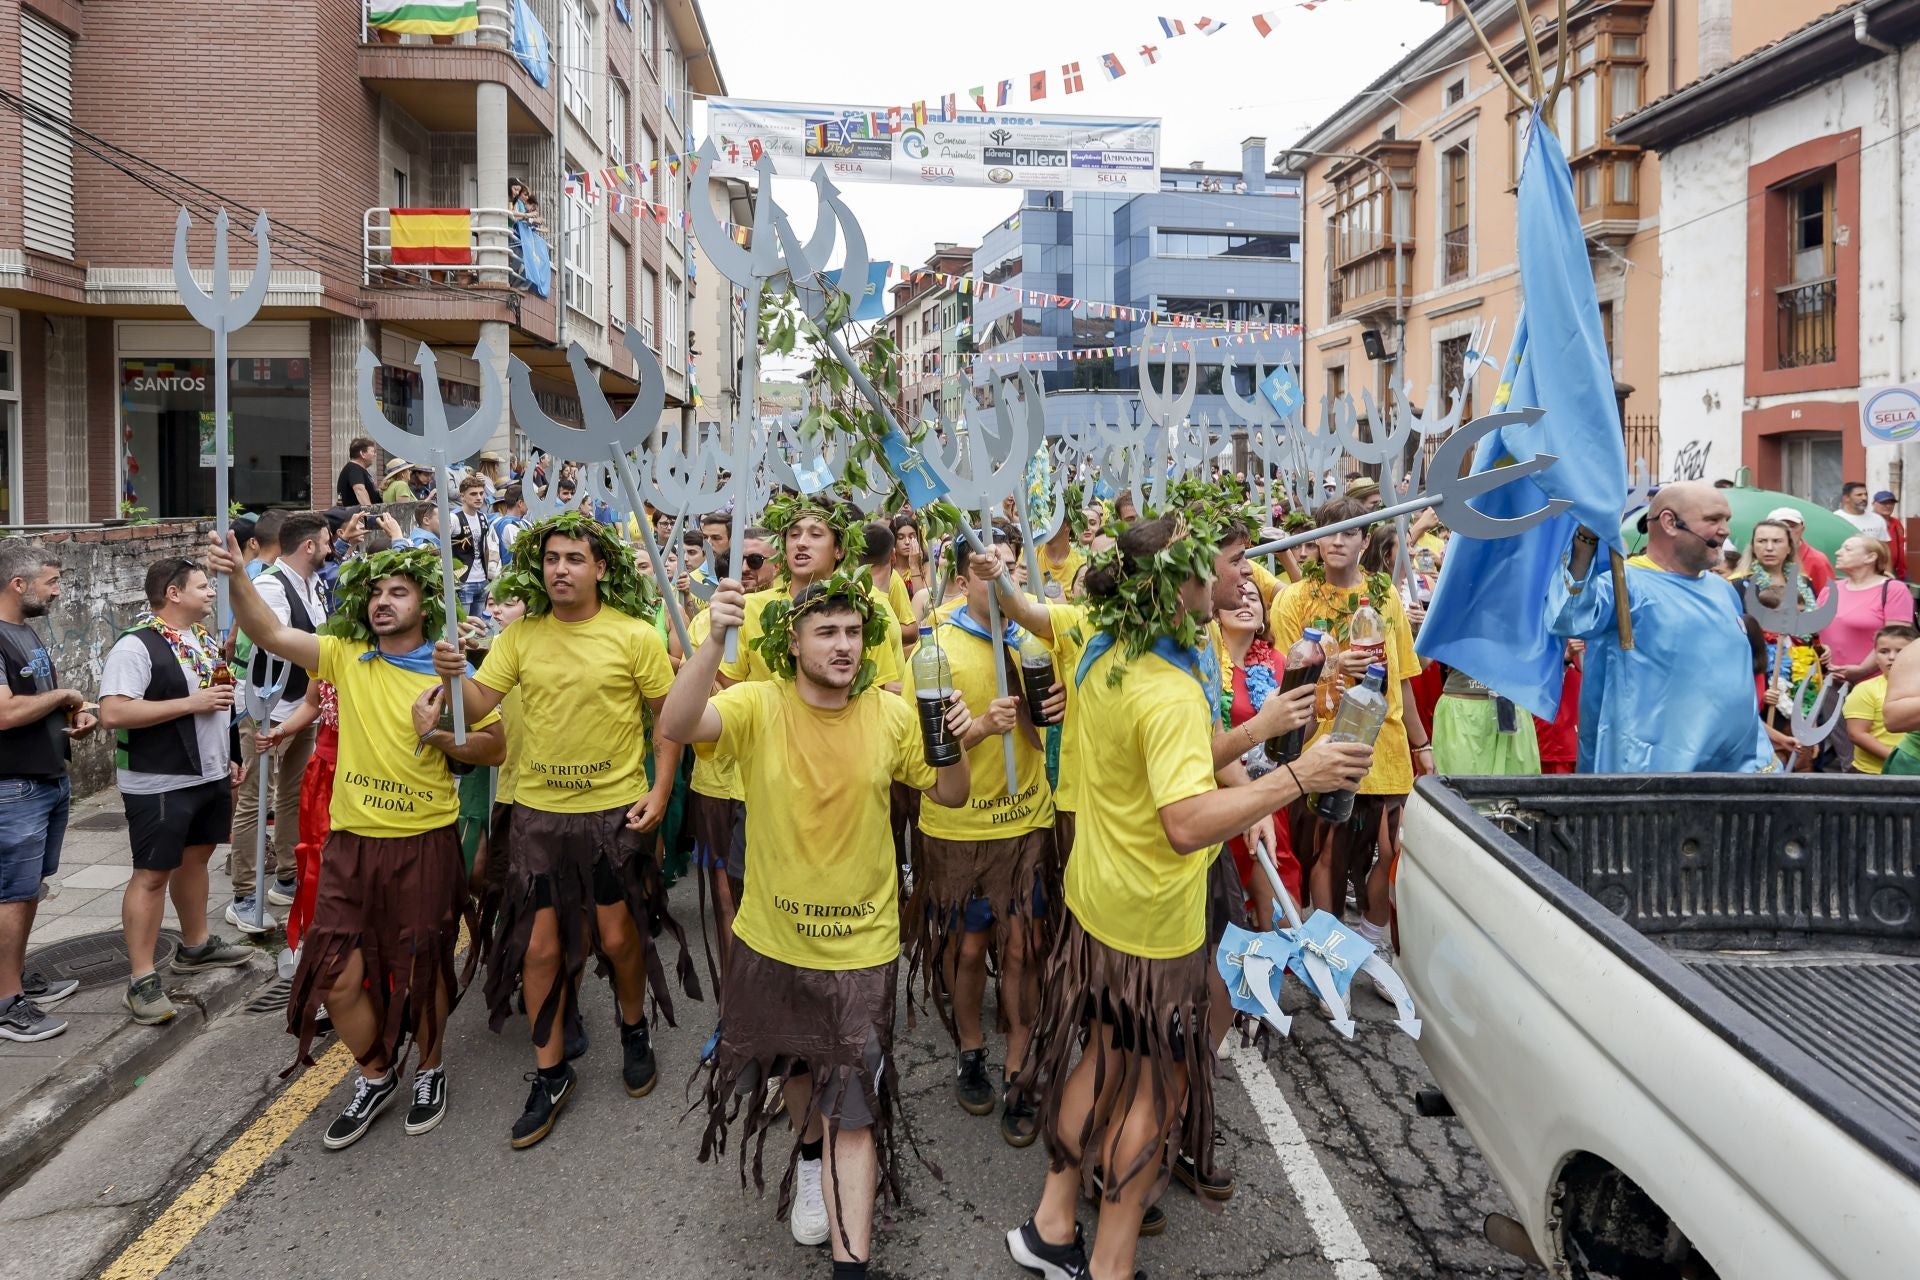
163, 826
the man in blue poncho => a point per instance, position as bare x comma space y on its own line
1682, 699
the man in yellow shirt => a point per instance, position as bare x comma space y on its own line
588, 663
393, 887
981, 863
810, 985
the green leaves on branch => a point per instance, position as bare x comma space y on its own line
355, 587
852, 586
624, 588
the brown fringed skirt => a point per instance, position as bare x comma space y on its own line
713, 820
1373, 832
399, 902
782, 1021
948, 874
573, 862
1152, 1017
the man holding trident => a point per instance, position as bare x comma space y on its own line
809, 996
392, 884
589, 666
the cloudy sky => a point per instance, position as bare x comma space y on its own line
1210, 91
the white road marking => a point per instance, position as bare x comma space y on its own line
1340, 1241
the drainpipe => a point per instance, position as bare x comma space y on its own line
1899, 312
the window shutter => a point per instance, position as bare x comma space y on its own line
46, 75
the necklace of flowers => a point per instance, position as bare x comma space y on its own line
200, 655
1262, 683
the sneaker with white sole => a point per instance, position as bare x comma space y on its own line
23, 1020
147, 1001
368, 1101
47, 992
429, 1100
808, 1217
1049, 1261
280, 893
215, 953
245, 915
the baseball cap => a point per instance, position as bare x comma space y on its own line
1885, 495
1787, 515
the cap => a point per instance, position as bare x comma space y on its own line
1885, 495
395, 467
1787, 515
1377, 670
488, 455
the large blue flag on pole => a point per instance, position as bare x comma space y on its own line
1488, 615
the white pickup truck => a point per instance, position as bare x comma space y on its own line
1680, 1015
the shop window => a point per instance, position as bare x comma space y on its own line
167, 422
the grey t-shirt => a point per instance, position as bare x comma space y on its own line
128, 672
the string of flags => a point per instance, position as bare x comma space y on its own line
1264, 334
1084, 306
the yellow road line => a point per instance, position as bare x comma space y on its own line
195, 1207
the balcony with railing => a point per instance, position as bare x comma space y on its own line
479, 274
420, 72
1456, 254
1807, 317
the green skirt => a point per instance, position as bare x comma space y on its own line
1467, 740
476, 811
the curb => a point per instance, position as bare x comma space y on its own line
35, 1126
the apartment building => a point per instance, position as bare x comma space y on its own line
925, 321
721, 326
1423, 165
113, 117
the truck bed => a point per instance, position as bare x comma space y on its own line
1782, 912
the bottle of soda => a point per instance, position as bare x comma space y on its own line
1366, 633
933, 694
1362, 711
222, 675
1304, 663
1036, 676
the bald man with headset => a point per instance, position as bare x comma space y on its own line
1682, 699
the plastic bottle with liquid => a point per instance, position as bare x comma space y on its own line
1366, 633
1036, 676
933, 695
1305, 660
1363, 710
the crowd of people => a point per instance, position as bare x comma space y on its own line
882, 742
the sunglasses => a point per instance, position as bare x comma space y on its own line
754, 559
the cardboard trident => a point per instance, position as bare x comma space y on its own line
442, 445
260, 700
1788, 620
217, 309
604, 441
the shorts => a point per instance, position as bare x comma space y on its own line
979, 915
163, 826
33, 826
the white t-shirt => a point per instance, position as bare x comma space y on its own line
1869, 522
128, 672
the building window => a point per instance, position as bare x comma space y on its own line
576, 59
167, 423
649, 307
618, 120
1224, 244
46, 82
1608, 67
675, 324
1810, 465
1453, 375
649, 150
669, 74
618, 287
577, 281
1457, 92
648, 39
1806, 306
1367, 209
1606, 328
12, 498
1457, 240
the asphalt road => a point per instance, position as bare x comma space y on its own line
1337, 1175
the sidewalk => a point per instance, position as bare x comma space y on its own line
47, 1090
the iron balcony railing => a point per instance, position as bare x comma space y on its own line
1806, 315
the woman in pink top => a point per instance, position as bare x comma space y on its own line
1869, 600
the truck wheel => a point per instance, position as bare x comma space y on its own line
1613, 1230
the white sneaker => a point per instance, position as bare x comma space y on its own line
1383, 952
241, 913
808, 1217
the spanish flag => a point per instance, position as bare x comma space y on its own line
425, 17
440, 237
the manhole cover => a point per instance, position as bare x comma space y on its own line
105, 820
95, 959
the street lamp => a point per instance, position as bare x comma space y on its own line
1393, 218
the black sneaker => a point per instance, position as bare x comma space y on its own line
1019, 1118
429, 1101
47, 992
636, 1060
21, 1019
1049, 1261
1215, 1186
1152, 1223
970, 1084
369, 1100
544, 1102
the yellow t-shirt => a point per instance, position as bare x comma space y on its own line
889, 656
380, 787
1868, 702
713, 771
1296, 610
1149, 739
1062, 574
582, 689
990, 814
821, 882
1071, 632
901, 600
516, 741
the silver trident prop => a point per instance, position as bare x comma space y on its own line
219, 310
1787, 621
676, 482
601, 441
260, 699
442, 445
1452, 491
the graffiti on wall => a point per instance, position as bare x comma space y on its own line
1690, 460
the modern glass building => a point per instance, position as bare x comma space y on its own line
1215, 244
